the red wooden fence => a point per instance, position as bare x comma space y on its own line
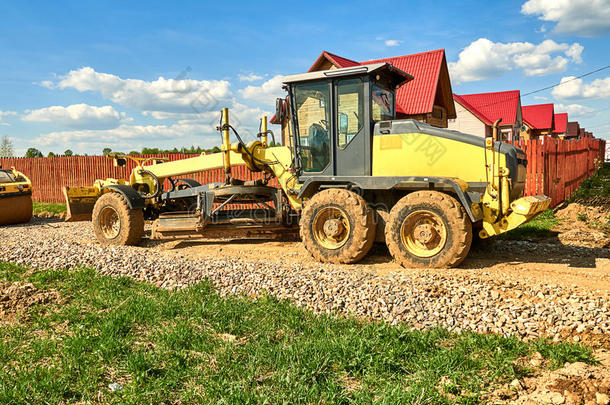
555, 168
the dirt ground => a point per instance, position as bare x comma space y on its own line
573, 384
16, 298
575, 254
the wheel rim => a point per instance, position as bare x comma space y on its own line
423, 233
331, 227
110, 222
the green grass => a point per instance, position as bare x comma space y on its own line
193, 346
56, 208
596, 186
538, 227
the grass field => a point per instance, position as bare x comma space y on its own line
55, 208
193, 346
595, 186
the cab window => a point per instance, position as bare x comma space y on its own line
382, 103
313, 114
350, 110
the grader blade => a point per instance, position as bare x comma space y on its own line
523, 210
80, 202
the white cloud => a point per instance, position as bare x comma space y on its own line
266, 93
170, 95
578, 17
392, 42
574, 110
130, 137
574, 52
5, 114
484, 59
572, 88
78, 116
250, 77
190, 129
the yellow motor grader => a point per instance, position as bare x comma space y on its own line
351, 175
15, 197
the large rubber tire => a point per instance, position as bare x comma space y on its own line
439, 205
129, 223
358, 240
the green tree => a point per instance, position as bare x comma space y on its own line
150, 151
33, 153
51, 154
68, 152
215, 149
106, 151
7, 148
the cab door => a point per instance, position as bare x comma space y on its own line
352, 143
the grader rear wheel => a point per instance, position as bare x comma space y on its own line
115, 223
428, 229
337, 226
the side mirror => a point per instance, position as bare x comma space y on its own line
279, 110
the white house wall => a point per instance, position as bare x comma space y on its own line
466, 122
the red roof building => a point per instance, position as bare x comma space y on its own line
328, 60
538, 120
428, 97
476, 113
561, 125
573, 130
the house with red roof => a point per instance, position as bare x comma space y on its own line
573, 130
561, 125
476, 113
538, 120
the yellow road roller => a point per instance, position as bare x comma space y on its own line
15, 197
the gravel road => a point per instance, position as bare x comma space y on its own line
513, 288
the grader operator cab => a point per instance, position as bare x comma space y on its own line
351, 174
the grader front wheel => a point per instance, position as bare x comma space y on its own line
428, 229
337, 226
115, 223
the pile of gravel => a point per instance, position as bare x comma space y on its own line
453, 299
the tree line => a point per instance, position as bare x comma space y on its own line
7, 149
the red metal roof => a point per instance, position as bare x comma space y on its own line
561, 123
337, 60
488, 107
538, 116
416, 96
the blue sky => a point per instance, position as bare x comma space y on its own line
85, 75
